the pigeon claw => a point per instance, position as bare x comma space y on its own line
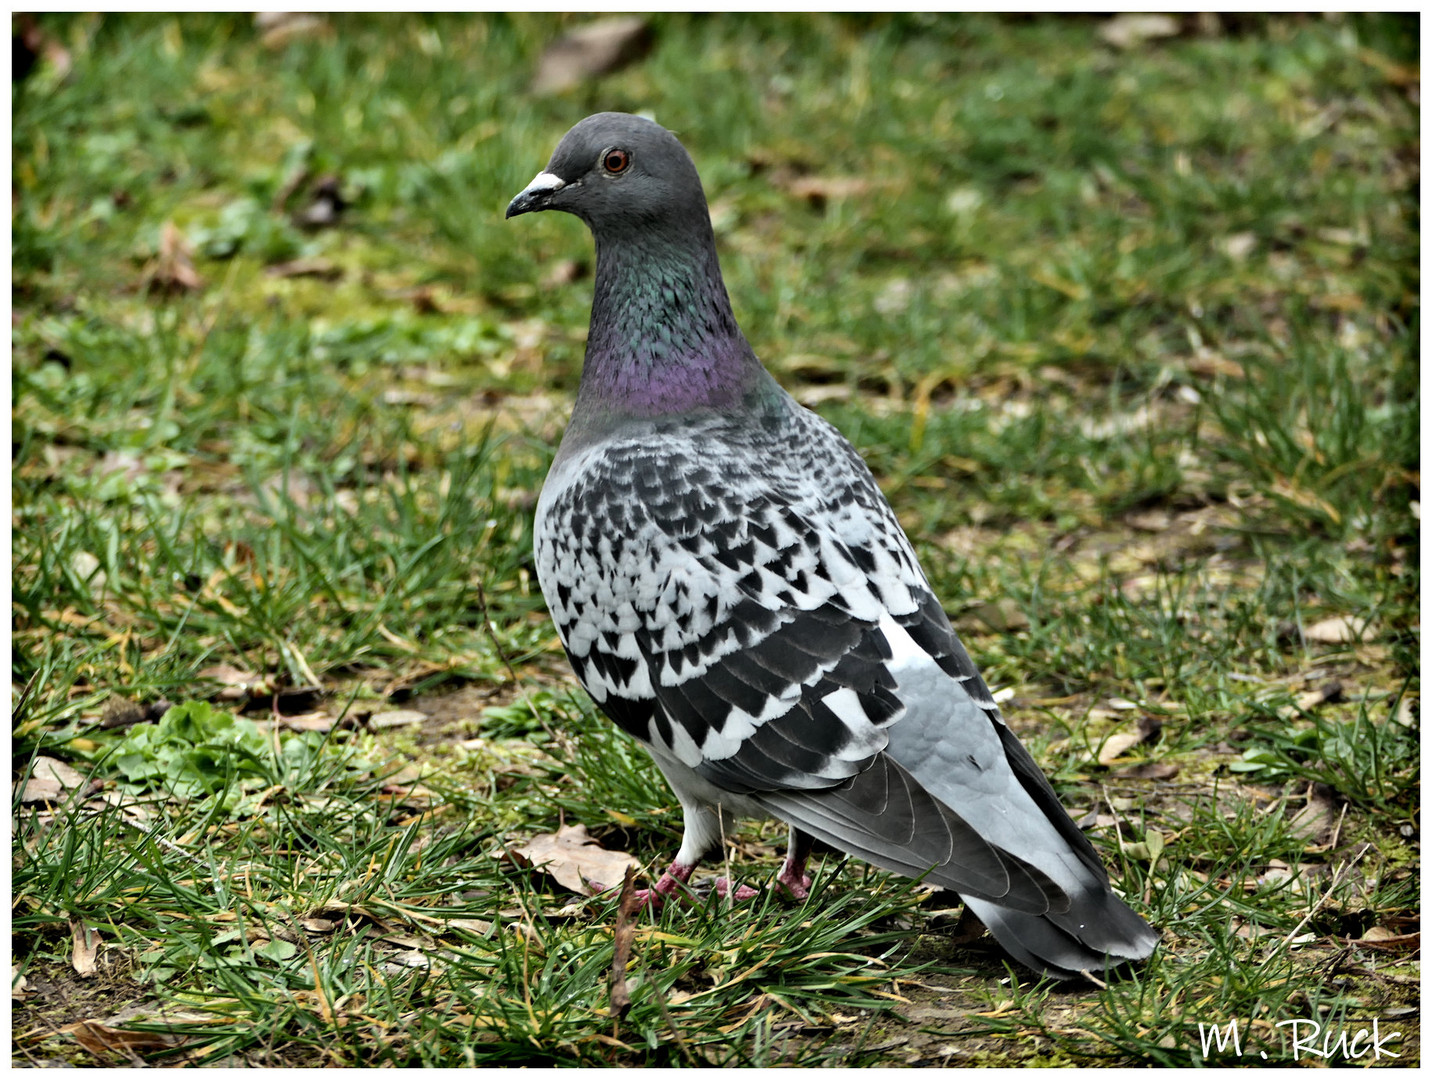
741, 892
793, 880
672, 883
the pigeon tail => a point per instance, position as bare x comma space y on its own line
1105, 934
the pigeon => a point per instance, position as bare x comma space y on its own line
732, 588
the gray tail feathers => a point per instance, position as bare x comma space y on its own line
1098, 933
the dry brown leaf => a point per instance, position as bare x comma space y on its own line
622, 941
474, 926
1338, 630
313, 721
1407, 711
236, 684
1153, 521
86, 947
1332, 690
172, 270
572, 857
1003, 615
564, 272
1117, 744
50, 780
1131, 30
589, 51
106, 1042
344, 908
1317, 820
314, 268
1152, 770
399, 395
134, 809
18, 983
1393, 942
392, 718
278, 28
1239, 246
817, 189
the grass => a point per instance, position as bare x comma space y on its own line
1128, 335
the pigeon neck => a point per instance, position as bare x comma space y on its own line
663, 339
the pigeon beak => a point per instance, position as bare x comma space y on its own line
536, 195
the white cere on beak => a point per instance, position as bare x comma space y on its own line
544, 181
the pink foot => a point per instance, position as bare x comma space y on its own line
743, 892
793, 879
672, 883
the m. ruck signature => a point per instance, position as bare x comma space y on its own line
1310, 1038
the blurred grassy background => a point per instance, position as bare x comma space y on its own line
1124, 315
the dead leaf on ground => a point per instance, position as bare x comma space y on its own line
1407, 711
313, 721
106, 1043
1153, 521
572, 857
564, 272
392, 718
1317, 821
622, 940
321, 269
1003, 616
401, 395
1332, 690
1119, 743
817, 190
235, 683
130, 806
1338, 630
1239, 246
172, 270
86, 947
590, 51
1151, 770
1392, 942
1131, 30
481, 927
18, 983
50, 780
343, 909
1250, 931
278, 28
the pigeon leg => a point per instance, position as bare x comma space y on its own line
792, 877
672, 883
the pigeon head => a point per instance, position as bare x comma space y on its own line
616, 171
663, 340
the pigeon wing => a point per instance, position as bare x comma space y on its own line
760, 635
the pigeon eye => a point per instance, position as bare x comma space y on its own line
615, 161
